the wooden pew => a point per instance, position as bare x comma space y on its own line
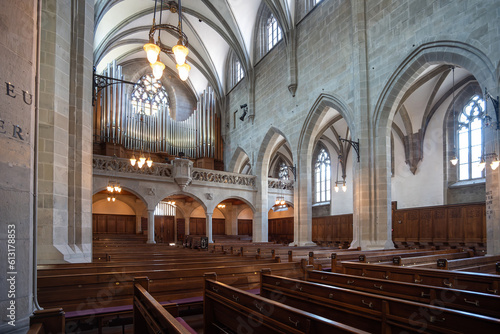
444, 278
47, 321
475, 302
91, 291
372, 312
454, 264
150, 316
227, 309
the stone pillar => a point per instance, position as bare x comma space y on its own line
65, 137
138, 223
151, 227
209, 227
18, 67
372, 191
186, 226
492, 195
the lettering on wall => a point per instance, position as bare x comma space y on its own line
10, 129
489, 204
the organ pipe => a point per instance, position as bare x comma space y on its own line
137, 126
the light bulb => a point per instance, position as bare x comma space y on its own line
140, 163
336, 188
149, 162
344, 188
110, 188
282, 202
183, 71
180, 52
494, 164
152, 52
158, 68
114, 199
133, 160
109, 199
117, 188
482, 164
454, 161
142, 159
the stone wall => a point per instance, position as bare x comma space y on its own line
65, 141
18, 36
362, 55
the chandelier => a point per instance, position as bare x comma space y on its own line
154, 47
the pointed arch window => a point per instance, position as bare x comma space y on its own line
148, 94
322, 175
274, 34
238, 72
470, 139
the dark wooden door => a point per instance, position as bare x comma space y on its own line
244, 226
218, 226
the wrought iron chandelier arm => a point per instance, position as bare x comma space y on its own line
354, 144
102, 81
166, 27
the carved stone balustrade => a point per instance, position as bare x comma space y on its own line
280, 184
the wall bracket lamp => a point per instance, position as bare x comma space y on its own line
354, 144
244, 107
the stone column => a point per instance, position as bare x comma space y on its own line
18, 67
65, 137
492, 195
151, 227
209, 227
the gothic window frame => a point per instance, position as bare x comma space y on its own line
469, 139
261, 34
274, 33
148, 94
322, 184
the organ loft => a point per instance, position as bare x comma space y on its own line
241, 166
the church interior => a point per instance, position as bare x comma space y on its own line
232, 166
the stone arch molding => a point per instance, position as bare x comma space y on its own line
307, 139
239, 156
435, 52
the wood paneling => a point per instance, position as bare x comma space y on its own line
244, 226
332, 229
122, 224
218, 226
164, 229
446, 224
280, 230
197, 226
181, 229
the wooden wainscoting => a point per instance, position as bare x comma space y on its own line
123, 224
332, 230
453, 225
281, 230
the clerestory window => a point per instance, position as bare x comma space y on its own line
470, 139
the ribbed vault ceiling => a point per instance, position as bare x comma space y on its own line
213, 27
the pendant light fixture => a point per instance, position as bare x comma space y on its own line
180, 50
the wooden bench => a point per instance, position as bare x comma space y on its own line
227, 309
107, 289
372, 312
453, 264
469, 301
47, 321
479, 282
150, 316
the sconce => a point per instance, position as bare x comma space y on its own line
245, 110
